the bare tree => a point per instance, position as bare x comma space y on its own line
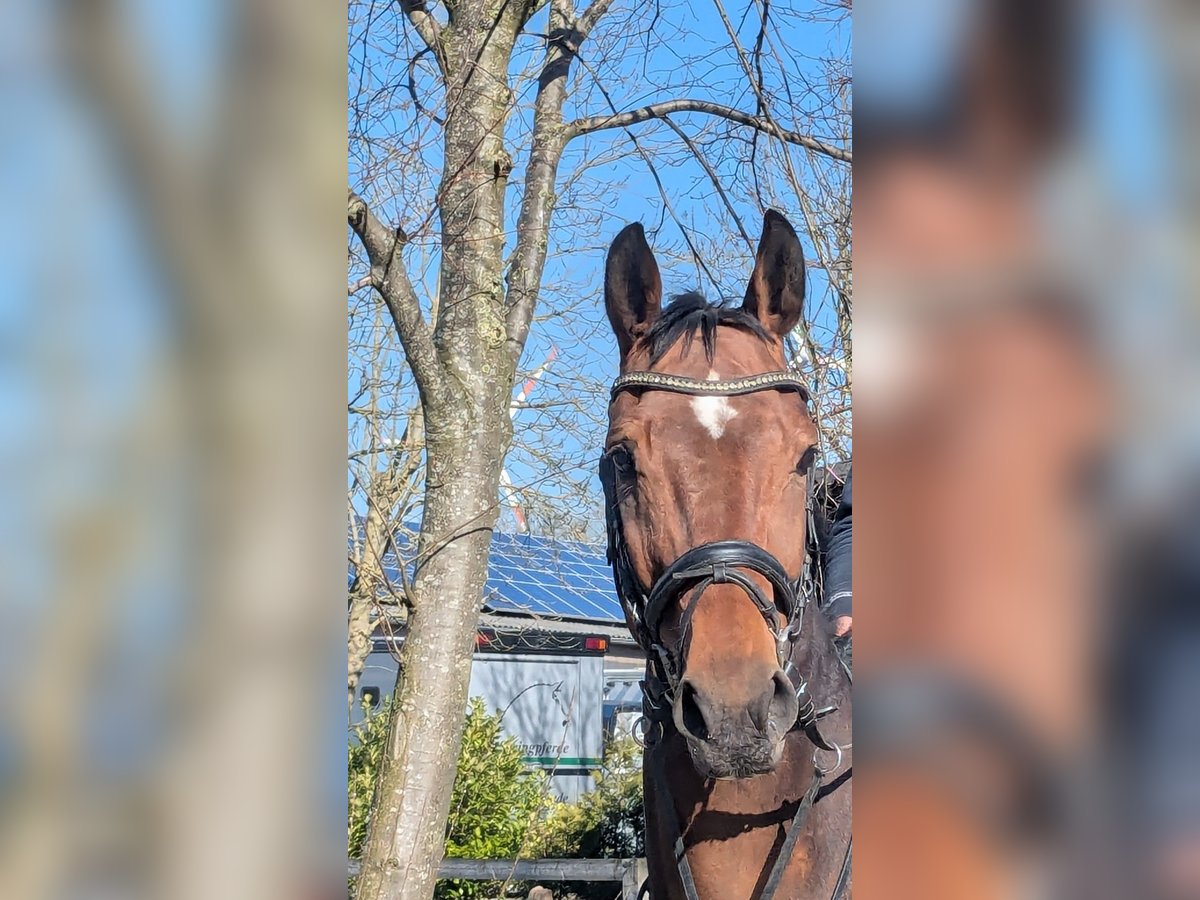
491, 96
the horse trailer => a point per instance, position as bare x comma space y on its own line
548, 687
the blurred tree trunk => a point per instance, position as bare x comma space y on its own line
227, 207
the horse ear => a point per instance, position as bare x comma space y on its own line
775, 295
632, 286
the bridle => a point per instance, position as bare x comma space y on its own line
717, 562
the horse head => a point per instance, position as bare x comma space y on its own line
709, 471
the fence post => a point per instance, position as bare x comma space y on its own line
634, 876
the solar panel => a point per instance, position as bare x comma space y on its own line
538, 576
550, 578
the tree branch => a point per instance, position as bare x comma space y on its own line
592, 15
389, 277
426, 26
550, 136
667, 107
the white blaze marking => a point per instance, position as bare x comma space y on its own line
713, 413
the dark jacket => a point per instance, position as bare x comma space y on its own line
838, 588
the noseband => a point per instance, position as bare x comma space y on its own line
717, 562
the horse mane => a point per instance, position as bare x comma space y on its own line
689, 313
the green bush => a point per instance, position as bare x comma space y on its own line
495, 800
366, 752
606, 822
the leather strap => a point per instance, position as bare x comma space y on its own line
720, 562
789, 843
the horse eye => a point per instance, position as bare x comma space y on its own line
622, 458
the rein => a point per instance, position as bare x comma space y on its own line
717, 562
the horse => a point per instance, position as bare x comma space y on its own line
706, 471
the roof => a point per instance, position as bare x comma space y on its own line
544, 578
616, 634
393, 636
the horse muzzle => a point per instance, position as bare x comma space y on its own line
735, 741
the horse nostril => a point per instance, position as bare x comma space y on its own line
773, 705
760, 709
691, 715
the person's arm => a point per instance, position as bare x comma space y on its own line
838, 586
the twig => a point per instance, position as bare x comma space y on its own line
667, 107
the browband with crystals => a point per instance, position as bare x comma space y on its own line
699, 386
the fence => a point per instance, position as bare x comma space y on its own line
629, 873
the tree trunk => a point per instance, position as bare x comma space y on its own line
467, 432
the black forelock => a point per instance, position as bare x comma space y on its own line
689, 313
